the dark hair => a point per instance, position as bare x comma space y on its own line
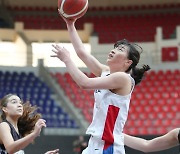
134, 55
28, 119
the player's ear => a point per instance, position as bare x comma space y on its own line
4, 109
129, 62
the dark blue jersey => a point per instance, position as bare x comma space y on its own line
14, 134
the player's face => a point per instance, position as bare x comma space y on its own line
14, 107
118, 54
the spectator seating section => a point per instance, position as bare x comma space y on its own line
136, 27
31, 88
155, 103
139, 28
82, 99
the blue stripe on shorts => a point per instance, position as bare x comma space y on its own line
109, 150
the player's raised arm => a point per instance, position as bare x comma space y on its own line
90, 61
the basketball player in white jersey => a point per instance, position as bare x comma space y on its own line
113, 86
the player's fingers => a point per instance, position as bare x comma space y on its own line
54, 51
53, 55
56, 46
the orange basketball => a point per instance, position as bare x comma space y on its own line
72, 9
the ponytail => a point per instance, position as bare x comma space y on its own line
138, 73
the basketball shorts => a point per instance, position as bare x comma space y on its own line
98, 146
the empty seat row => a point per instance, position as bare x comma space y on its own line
95, 9
139, 28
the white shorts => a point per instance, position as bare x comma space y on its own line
97, 146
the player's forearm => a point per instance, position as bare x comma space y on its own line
20, 144
79, 77
135, 143
156, 144
75, 40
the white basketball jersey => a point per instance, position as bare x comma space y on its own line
109, 115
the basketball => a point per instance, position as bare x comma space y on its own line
72, 9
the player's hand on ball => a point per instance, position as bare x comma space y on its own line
67, 20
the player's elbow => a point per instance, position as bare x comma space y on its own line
145, 147
10, 150
84, 85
